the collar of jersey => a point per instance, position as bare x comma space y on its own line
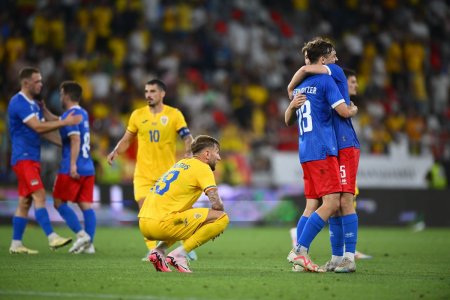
26, 98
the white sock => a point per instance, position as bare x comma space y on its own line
336, 259
179, 251
162, 246
52, 236
16, 243
81, 233
350, 255
301, 248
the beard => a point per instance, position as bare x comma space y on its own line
212, 165
38, 97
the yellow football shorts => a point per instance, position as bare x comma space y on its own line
142, 187
174, 227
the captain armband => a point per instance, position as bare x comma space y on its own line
183, 132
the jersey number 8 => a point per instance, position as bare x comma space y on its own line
163, 184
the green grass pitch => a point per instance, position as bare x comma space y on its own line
243, 263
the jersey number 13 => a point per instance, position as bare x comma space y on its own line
305, 123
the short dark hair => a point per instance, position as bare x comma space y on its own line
27, 72
159, 83
349, 72
316, 48
72, 89
203, 141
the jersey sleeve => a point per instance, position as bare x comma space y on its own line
72, 129
337, 73
332, 93
206, 178
132, 123
24, 111
180, 124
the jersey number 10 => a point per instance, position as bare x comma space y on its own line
154, 135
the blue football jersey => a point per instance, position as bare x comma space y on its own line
317, 138
26, 143
345, 133
85, 165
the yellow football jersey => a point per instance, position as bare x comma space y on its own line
157, 136
178, 189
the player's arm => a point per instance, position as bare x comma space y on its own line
188, 139
53, 137
43, 127
346, 111
302, 73
48, 115
121, 146
214, 198
74, 152
290, 115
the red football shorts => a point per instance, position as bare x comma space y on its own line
348, 166
28, 174
76, 190
321, 177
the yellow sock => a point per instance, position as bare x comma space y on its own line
150, 244
206, 232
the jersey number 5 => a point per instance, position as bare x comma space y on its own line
305, 123
163, 184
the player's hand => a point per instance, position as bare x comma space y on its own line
73, 119
111, 157
353, 108
298, 101
73, 172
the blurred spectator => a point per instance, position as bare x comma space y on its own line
227, 64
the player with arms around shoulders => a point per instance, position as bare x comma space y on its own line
167, 214
75, 180
343, 226
317, 148
156, 127
26, 125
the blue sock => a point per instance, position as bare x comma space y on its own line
43, 219
336, 236
312, 227
90, 222
300, 225
19, 225
350, 224
70, 217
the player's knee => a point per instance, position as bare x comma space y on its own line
24, 207
56, 203
223, 221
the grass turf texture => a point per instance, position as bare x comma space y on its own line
243, 263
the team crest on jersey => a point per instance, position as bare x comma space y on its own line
164, 120
197, 216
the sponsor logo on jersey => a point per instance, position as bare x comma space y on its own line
34, 182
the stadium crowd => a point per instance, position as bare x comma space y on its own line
227, 64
